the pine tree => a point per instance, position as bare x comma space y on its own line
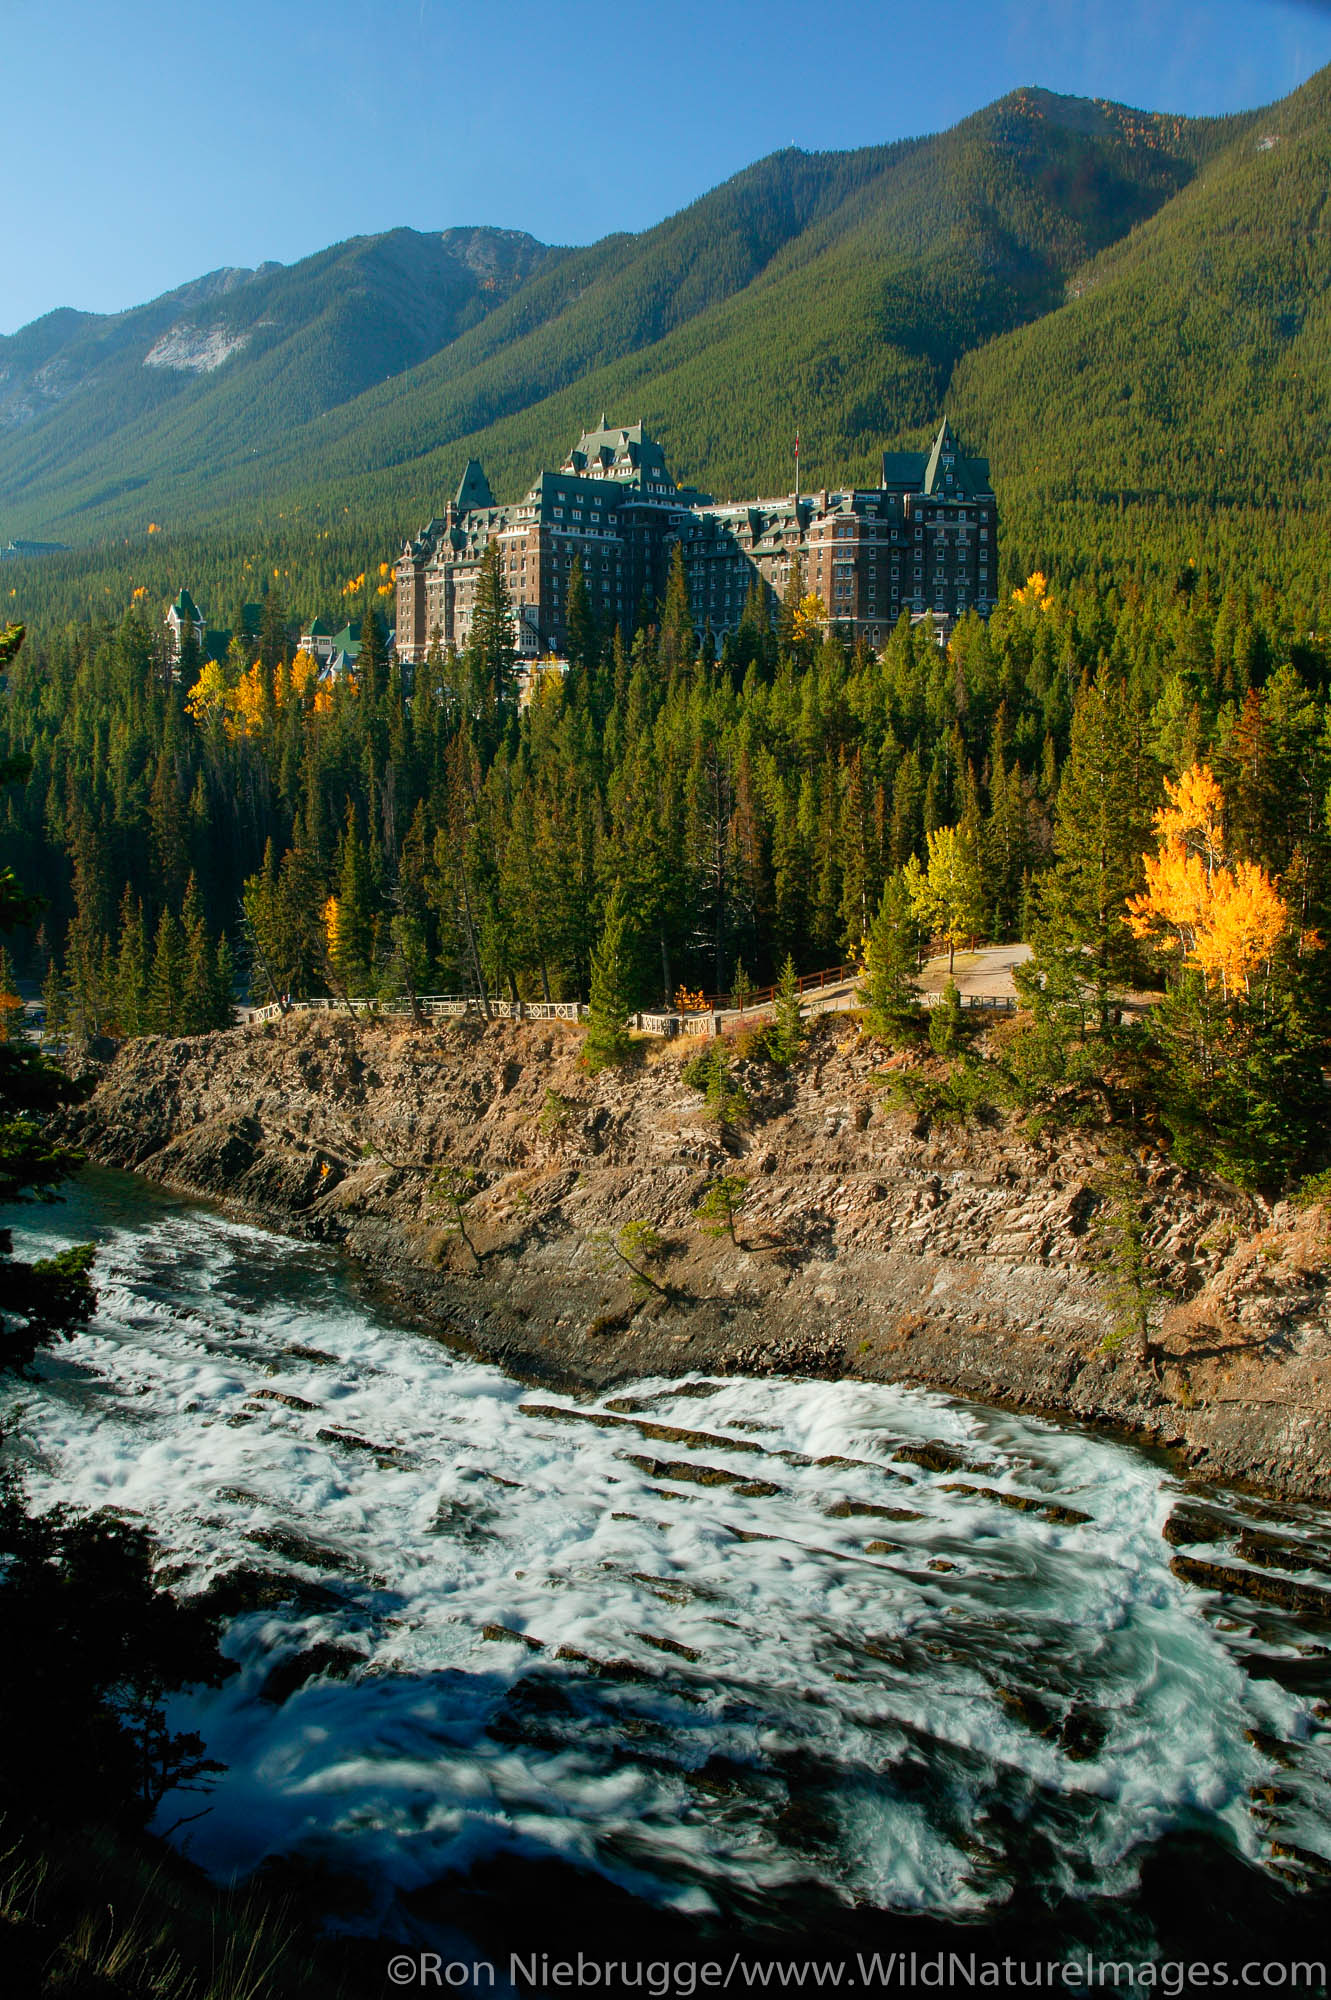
721, 1202
371, 663
205, 1002
582, 640
11, 1005
50, 1298
131, 974
355, 954
890, 995
272, 633
678, 642
612, 988
1101, 825
787, 1014
493, 638
166, 980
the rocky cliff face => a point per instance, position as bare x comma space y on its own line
965, 1260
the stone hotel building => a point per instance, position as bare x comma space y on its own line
925, 539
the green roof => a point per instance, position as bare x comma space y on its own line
941, 472
475, 488
186, 609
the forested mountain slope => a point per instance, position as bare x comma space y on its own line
93, 407
837, 291
1188, 374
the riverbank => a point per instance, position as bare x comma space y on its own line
959, 1259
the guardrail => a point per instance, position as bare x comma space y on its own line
1003, 1003
435, 1006
710, 1020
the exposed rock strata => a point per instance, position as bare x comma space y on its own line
961, 1260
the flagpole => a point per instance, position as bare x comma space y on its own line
797, 471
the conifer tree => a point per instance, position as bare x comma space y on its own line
354, 956
582, 640
131, 976
1101, 823
493, 637
272, 633
890, 995
166, 978
787, 1013
612, 988
49, 1298
678, 640
371, 659
11, 1005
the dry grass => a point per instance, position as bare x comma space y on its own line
92, 1914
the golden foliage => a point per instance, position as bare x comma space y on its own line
208, 698
1035, 592
1225, 918
1195, 814
810, 616
304, 670
240, 706
332, 923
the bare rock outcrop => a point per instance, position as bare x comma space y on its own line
964, 1260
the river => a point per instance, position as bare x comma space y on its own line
742, 1648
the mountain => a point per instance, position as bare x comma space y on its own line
837, 291
1189, 369
233, 355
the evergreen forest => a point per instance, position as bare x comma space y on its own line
195, 833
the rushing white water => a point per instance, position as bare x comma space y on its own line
766, 1680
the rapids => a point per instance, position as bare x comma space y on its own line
729, 1638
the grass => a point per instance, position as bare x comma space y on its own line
90, 1914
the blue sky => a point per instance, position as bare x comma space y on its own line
148, 141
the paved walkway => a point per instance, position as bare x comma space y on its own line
985, 972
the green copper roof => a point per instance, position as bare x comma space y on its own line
475, 488
942, 472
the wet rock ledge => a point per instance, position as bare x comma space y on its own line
959, 1259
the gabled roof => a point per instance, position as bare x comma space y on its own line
622, 451
942, 472
186, 610
348, 639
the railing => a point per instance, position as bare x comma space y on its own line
1003, 1003
435, 1006
763, 996
712, 1019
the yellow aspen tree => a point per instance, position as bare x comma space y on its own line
1225, 919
